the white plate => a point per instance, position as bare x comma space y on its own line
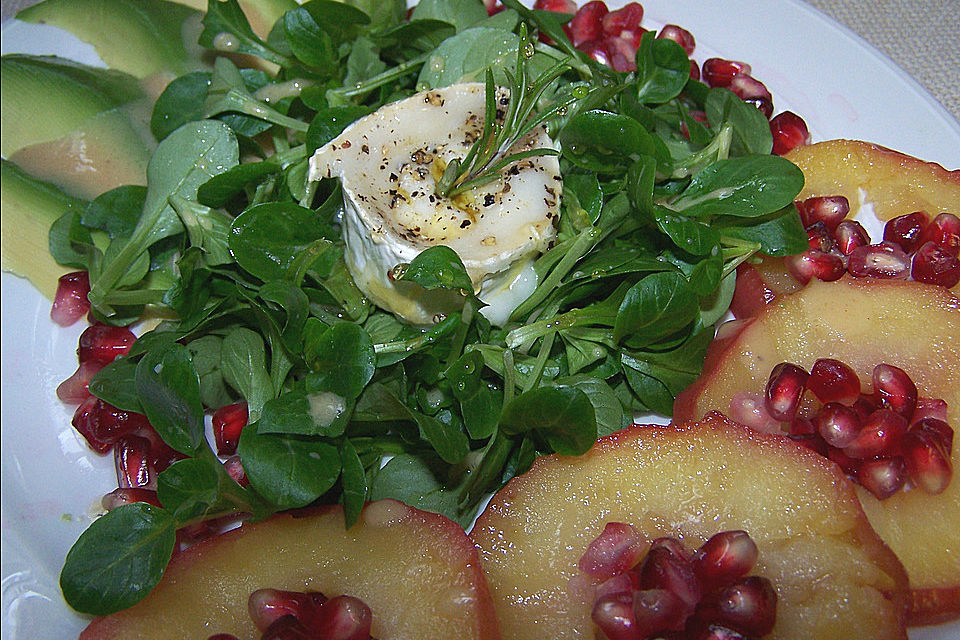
50, 479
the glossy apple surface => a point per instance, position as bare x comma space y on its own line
863, 323
833, 575
418, 572
896, 184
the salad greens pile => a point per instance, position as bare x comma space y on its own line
243, 260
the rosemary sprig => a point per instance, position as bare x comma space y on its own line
489, 154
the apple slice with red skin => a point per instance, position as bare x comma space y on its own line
895, 183
417, 571
833, 575
862, 323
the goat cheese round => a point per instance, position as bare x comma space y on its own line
388, 163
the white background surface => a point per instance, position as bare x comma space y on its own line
50, 479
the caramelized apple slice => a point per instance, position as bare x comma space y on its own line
834, 577
895, 183
417, 571
862, 323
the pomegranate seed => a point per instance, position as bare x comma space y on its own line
340, 618
657, 610
558, 6
103, 424
619, 547
662, 569
162, 455
102, 343
223, 636
944, 231
812, 441
613, 614
624, 22
131, 456
723, 558
694, 70
830, 210
849, 235
235, 470
837, 424
833, 381
789, 132
751, 90
934, 265
268, 605
929, 408
70, 303
819, 237
938, 428
784, 391
674, 546
228, 422
679, 35
75, 389
906, 230
749, 606
894, 389
749, 409
716, 632
882, 477
815, 264
286, 628
121, 496
927, 462
492, 6
586, 22
865, 405
880, 435
622, 53
846, 463
718, 72
801, 426
626, 582
883, 260
597, 50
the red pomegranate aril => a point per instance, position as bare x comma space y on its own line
784, 391
674, 546
865, 405
234, 468
926, 461
658, 610
493, 7
162, 455
286, 628
819, 237
850, 235
749, 606
694, 70
558, 6
265, 606
121, 496
934, 265
662, 569
750, 409
613, 614
846, 463
789, 132
131, 456
679, 35
340, 618
943, 231
626, 582
103, 343
716, 632
830, 210
228, 421
619, 547
718, 72
894, 389
223, 636
883, 260
815, 264
906, 230
585, 24
837, 424
833, 381
929, 408
622, 52
812, 441
625, 20
882, 477
723, 558
70, 302
938, 428
75, 389
751, 90
880, 435
597, 50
